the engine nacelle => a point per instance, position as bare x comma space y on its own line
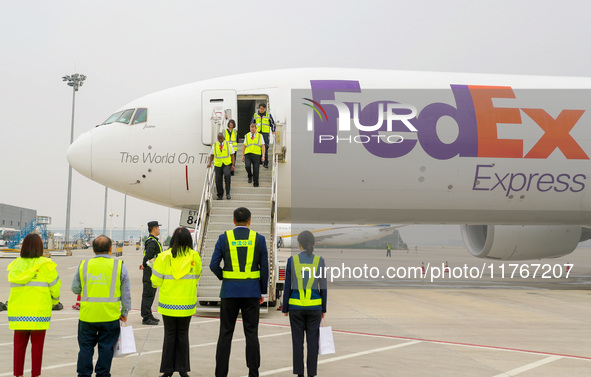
521, 242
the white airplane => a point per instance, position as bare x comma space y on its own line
334, 235
505, 157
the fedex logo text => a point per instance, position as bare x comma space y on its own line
474, 113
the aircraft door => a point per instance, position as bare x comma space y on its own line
217, 107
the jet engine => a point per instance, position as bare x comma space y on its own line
521, 242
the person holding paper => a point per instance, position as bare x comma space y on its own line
177, 272
304, 299
103, 284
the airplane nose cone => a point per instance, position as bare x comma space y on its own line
80, 155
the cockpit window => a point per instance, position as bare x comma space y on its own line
140, 116
126, 116
112, 118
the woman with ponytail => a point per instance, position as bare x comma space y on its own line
304, 299
177, 271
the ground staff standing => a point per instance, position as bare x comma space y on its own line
244, 278
103, 283
177, 272
34, 289
153, 249
265, 124
304, 298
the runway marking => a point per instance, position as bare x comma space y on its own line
207, 344
349, 356
449, 343
134, 330
525, 368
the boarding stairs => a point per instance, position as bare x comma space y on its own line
216, 217
39, 225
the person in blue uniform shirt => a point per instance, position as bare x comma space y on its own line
304, 299
244, 276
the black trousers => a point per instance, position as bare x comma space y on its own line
308, 322
175, 348
266, 138
255, 161
148, 295
250, 322
224, 172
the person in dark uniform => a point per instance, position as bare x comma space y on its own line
265, 124
152, 249
243, 287
305, 302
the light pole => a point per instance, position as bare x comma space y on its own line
111, 224
75, 81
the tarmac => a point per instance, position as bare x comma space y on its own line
507, 324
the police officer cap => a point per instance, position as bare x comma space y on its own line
152, 224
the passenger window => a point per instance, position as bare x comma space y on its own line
126, 116
112, 118
140, 116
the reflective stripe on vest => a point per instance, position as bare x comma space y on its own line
305, 294
263, 122
155, 239
101, 294
253, 146
222, 157
234, 244
231, 137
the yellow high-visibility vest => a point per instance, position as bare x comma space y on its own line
263, 122
177, 279
222, 157
253, 145
232, 138
100, 300
305, 293
236, 272
34, 289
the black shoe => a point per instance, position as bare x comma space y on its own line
166, 375
256, 185
184, 374
220, 197
250, 180
150, 322
228, 197
266, 166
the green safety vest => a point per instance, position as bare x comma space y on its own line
222, 157
101, 289
263, 122
232, 138
305, 294
253, 145
234, 244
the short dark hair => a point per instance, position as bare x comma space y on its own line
241, 215
102, 244
263, 105
181, 240
233, 122
32, 246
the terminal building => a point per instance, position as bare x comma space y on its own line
15, 217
